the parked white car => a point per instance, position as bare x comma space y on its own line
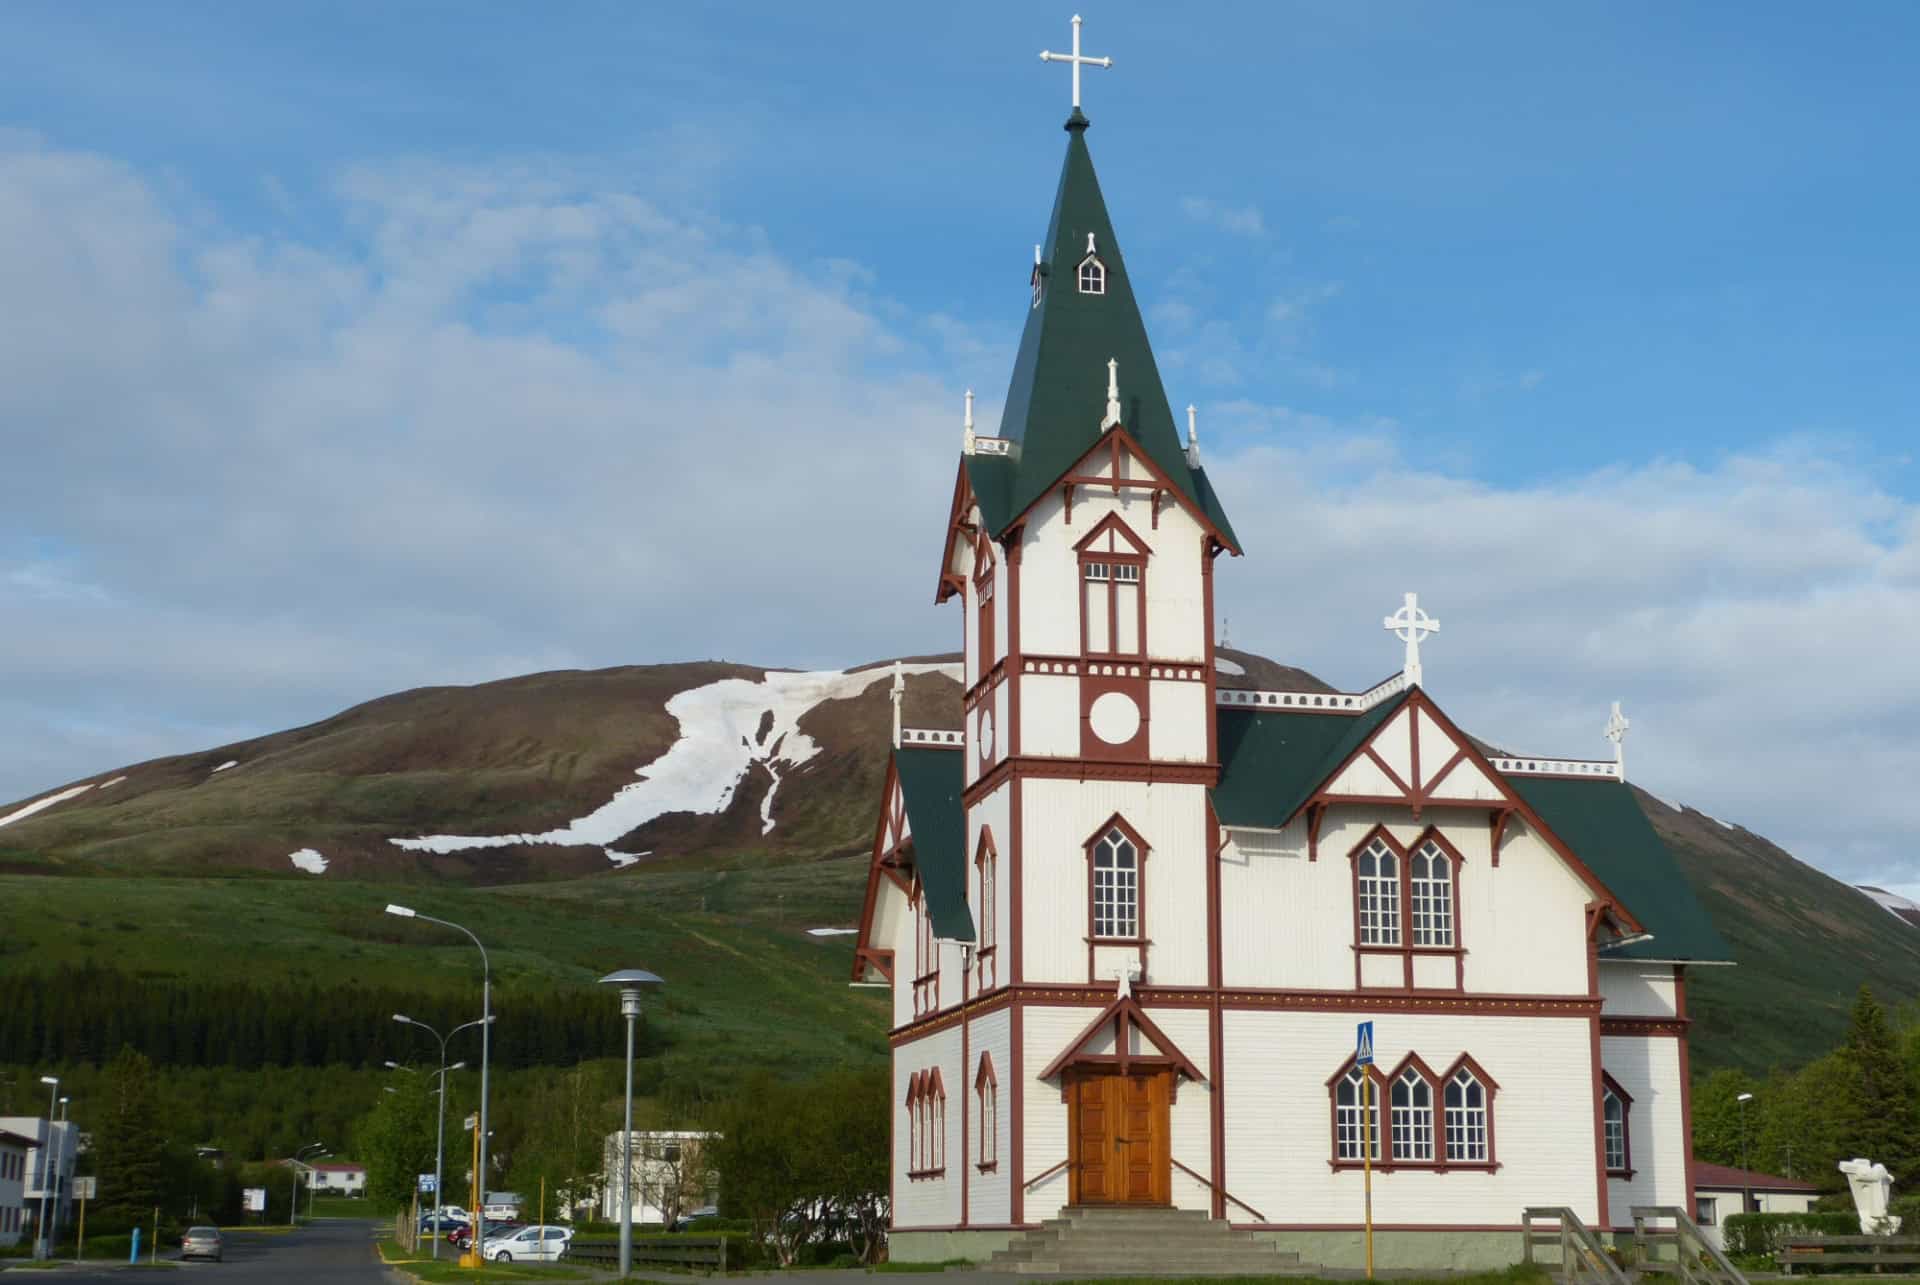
528, 1245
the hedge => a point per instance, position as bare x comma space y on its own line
1759, 1235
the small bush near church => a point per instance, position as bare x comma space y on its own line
1760, 1235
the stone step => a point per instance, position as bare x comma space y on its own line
1158, 1246
1133, 1267
1250, 1251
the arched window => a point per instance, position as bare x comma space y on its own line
916, 1134
1466, 1111
1093, 276
1116, 885
987, 866
987, 1087
1350, 1129
1412, 1118
937, 1125
926, 957
1614, 1108
1432, 895
1377, 870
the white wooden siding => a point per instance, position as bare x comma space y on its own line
990, 1195
1279, 1133
928, 1202
1050, 715
1060, 815
1648, 1068
1637, 990
1178, 729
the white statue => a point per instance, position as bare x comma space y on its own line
1872, 1185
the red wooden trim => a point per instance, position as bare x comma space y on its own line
1497, 826
1123, 1013
1418, 791
1643, 1027
1119, 434
1145, 772
1686, 1087
863, 943
1113, 522
957, 526
1596, 912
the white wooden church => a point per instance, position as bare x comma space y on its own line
1131, 915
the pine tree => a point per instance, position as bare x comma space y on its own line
1875, 1113
127, 1141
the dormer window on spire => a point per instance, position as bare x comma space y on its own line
1093, 273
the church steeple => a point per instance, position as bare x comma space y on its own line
1083, 316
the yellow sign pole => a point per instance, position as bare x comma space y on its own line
1366, 1154
80, 1239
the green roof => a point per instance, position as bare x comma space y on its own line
930, 782
1270, 764
1058, 394
1603, 823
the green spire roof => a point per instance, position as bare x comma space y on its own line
1058, 395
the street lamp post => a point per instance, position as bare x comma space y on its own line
440, 1129
630, 981
1746, 1197
59, 1153
46, 1167
294, 1163
486, 1030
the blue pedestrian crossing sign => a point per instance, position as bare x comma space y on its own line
1363, 1045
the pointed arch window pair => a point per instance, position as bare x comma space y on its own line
1432, 1121
926, 1125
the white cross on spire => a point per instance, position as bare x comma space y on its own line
899, 690
1411, 625
1616, 731
1075, 58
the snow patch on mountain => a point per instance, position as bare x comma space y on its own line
1233, 667
721, 742
41, 805
308, 860
108, 785
229, 763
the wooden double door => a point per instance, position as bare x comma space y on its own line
1118, 1145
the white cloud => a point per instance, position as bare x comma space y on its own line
505, 419
1241, 220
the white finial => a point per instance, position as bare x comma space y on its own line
1193, 436
1090, 249
1226, 630
1125, 974
1410, 625
1113, 394
966, 438
1036, 254
899, 691
1616, 731
1047, 55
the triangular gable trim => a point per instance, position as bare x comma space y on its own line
892, 807
1465, 751
1121, 1014
1107, 441
957, 526
1115, 523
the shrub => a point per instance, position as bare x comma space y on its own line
1759, 1235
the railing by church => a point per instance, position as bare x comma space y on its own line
1582, 1256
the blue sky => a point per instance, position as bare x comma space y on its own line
359, 346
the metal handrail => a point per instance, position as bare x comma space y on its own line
1031, 1183
1222, 1190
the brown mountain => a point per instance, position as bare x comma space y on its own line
665, 767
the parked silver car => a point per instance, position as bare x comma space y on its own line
528, 1245
203, 1242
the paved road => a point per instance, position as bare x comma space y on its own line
332, 1249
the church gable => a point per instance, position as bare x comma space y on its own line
918, 858
1415, 760
1123, 1037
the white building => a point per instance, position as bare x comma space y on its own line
1721, 1191
1132, 915
671, 1176
14, 1151
64, 1150
338, 1178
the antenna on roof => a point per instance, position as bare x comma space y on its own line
1616, 731
1113, 394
